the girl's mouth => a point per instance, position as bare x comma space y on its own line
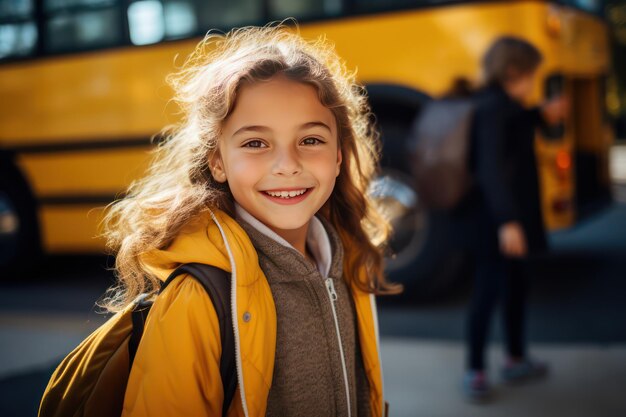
287, 196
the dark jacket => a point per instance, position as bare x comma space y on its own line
505, 170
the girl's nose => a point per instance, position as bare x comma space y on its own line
287, 163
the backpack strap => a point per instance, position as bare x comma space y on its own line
216, 283
138, 317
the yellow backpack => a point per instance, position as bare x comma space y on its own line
91, 380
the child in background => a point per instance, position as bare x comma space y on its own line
265, 178
505, 207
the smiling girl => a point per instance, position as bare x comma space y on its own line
265, 178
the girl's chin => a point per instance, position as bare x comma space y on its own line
281, 225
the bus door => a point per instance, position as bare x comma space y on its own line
591, 141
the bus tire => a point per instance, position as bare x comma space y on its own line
20, 247
439, 268
428, 263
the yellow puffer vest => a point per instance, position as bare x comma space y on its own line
176, 369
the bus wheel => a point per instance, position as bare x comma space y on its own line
398, 202
421, 255
19, 230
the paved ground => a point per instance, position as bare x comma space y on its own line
421, 376
422, 379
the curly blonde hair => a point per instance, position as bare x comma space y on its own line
179, 185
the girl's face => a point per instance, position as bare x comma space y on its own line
279, 152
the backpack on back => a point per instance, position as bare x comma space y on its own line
91, 380
439, 148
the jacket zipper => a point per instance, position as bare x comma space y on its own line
330, 287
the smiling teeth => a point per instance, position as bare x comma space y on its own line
286, 194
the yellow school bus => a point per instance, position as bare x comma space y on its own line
83, 92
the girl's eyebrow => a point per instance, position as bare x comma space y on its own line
265, 129
262, 129
315, 124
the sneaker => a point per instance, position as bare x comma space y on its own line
476, 386
518, 371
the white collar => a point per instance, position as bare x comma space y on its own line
317, 239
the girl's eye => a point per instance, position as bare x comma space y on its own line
312, 141
254, 144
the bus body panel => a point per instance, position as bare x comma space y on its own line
54, 109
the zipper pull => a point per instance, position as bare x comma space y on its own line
330, 286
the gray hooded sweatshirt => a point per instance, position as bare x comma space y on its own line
318, 363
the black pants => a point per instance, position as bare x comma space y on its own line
497, 279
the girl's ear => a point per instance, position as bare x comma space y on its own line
339, 160
216, 167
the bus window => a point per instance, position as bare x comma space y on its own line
367, 5
22, 8
145, 22
18, 31
180, 19
150, 21
280, 9
591, 6
82, 24
17, 39
227, 13
58, 5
